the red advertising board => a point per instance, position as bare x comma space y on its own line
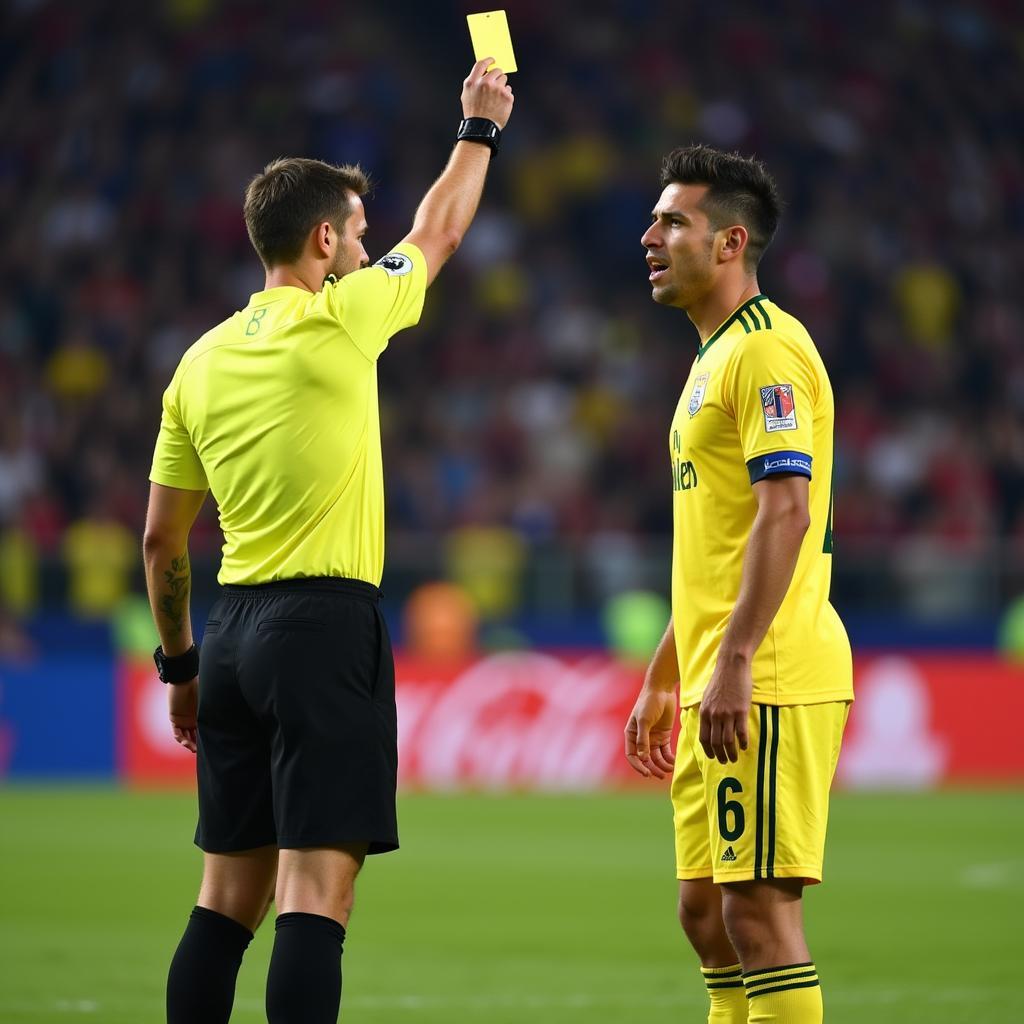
146, 751
522, 719
920, 721
553, 721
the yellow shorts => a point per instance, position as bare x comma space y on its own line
763, 816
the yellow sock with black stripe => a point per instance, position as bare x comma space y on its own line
784, 995
728, 1000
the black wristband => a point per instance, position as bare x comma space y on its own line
182, 668
482, 130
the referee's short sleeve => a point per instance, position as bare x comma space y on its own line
374, 303
175, 461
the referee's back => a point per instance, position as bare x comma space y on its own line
275, 411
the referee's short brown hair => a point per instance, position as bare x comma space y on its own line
290, 197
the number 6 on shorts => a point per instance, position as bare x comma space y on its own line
726, 807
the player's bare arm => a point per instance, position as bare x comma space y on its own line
169, 520
778, 531
448, 208
648, 731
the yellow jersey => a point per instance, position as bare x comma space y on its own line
757, 402
275, 411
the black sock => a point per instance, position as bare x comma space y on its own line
201, 981
304, 980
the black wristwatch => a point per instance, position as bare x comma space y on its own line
482, 130
182, 668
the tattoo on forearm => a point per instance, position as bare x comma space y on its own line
179, 583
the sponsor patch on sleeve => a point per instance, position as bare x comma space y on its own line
779, 408
395, 263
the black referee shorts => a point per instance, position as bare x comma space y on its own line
298, 738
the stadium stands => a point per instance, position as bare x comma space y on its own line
532, 405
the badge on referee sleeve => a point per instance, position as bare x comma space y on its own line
396, 264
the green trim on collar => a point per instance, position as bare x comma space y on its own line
738, 315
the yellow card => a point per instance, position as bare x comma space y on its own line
490, 35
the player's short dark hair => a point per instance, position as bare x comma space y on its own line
740, 191
290, 197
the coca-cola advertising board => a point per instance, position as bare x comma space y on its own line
553, 721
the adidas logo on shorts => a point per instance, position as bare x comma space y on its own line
729, 856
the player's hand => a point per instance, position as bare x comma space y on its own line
182, 705
725, 710
487, 94
649, 733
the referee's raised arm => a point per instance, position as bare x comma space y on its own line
448, 208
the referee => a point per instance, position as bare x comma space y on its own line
275, 412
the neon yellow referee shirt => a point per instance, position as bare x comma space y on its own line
275, 411
757, 402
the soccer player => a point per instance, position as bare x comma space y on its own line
760, 657
293, 711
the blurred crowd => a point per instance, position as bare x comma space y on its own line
532, 405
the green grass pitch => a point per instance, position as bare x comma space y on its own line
513, 909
